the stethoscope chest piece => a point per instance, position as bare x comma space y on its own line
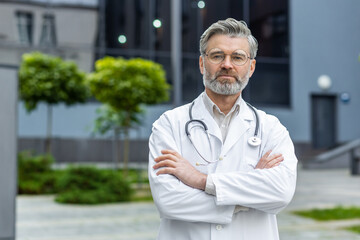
254, 141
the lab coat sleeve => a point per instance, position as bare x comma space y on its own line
174, 199
268, 190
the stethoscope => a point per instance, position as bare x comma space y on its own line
253, 141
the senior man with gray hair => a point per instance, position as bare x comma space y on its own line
219, 168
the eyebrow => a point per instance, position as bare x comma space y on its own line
217, 51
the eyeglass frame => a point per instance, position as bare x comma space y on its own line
246, 54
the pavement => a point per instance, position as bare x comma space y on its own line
40, 218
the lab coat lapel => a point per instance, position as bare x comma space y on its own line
239, 125
200, 112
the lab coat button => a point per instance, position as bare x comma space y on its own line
218, 227
221, 158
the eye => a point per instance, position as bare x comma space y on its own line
216, 56
238, 57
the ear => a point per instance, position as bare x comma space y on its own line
201, 64
252, 67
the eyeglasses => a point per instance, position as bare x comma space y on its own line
238, 57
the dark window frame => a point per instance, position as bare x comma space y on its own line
25, 26
48, 31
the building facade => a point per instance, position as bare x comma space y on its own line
48, 26
299, 41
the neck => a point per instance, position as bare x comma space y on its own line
224, 102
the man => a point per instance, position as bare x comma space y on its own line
215, 174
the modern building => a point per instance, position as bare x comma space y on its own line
299, 41
296, 43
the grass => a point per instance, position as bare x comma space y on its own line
355, 229
330, 214
337, 213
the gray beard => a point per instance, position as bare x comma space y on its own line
225, 88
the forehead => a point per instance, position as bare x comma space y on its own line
227, 43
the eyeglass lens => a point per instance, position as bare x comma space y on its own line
238, 57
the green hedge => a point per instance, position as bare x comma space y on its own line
35, 174
81, 185
89, 185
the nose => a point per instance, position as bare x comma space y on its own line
226, 63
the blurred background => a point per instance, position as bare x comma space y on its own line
308, 59
307, 72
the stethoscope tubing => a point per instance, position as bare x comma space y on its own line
252, 141
256, 132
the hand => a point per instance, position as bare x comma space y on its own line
269, 161
173, 163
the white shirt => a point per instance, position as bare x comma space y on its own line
221, 119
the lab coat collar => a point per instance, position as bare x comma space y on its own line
239, 124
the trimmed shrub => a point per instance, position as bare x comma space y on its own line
89, 185
35, 174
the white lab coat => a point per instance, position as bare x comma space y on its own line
187, 213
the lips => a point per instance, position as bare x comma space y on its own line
226, 76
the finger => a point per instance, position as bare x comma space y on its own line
274, 162
165, 163
275, 155
266, 160
165, 171
266, 155
260, 164
165, 157
168, 151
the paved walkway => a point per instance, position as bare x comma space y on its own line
40, 218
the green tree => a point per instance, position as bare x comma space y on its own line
109, 120
49, 79
127, 84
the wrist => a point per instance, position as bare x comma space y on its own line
202, 181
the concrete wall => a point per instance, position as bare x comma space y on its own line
8, 136
325, 39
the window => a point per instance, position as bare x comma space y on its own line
267, 19
48, 33
270, 84
25, 27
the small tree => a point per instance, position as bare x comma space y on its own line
110, 120
49, 79
125, 85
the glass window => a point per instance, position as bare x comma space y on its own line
269, 23
141, 36
48, 33
25, 27
145, 24
269, 85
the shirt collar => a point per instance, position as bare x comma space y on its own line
211, 106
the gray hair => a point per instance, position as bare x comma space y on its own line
232, 28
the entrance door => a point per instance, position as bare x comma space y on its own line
323, 120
